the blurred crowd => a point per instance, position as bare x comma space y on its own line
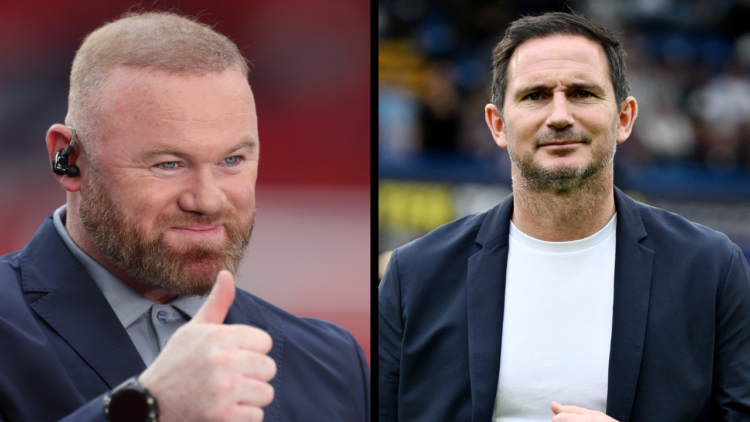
688, 67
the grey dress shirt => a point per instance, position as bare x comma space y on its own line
148, 324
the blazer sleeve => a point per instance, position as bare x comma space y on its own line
731, 382
365, 368
92, 411
390, 333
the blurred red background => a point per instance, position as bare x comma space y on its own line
310, 72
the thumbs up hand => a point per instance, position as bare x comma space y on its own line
213, 372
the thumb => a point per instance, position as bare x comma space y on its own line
215, 309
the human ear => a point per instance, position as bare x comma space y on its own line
628, 113
495, 122
58, 137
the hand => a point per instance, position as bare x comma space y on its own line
577, 414
213, 372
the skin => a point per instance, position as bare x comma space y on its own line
229, 360
168, 147
577, 414
558, 83
156, 121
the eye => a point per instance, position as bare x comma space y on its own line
168, 165
584, 94
534, 96
233, 160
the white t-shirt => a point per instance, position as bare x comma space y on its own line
557, 325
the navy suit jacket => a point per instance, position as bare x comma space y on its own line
62, 346
680, 348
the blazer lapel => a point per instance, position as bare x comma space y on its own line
75, 307
485, 307
72, 304
633, 268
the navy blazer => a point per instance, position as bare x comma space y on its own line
62, 346
680, 348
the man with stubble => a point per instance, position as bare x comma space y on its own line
568, 301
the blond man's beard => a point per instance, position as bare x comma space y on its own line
185, 270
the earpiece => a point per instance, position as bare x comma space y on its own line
60, 165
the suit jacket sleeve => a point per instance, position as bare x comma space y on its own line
92, 411
390, 332
365, 368
731, 389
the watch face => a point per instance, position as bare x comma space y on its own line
128, 406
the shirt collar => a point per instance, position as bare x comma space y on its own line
127, 303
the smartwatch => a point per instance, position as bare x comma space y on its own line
130, 402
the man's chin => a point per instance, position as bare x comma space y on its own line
563, 172
562, 164
194, 278
186, 272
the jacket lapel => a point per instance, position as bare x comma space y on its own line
633, 268
485, 307
486, 299
75, 308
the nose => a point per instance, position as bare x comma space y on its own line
560, 116
203, 194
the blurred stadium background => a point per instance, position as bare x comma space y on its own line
688, 68
310, 252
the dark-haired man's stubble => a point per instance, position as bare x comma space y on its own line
561, 179
581, 188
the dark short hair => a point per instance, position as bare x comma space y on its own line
550, 24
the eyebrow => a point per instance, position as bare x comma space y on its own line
161, 150
573, 87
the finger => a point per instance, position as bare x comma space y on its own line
256, 365
215, 309
247, 413
566, 417
242, 337
558, 408
241, 412
252, 392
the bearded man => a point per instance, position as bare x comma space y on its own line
122, 307
568, 301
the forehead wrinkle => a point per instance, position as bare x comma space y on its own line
528, 80
582, 75
192, 120
559, 48
561, 63
248, 141
122, 85
223, 121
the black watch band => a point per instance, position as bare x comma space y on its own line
130, 402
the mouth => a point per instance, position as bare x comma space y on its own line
197, 227
198, 232
560, 144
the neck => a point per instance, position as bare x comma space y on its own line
81, 237
558, 216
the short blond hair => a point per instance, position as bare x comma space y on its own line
151, 40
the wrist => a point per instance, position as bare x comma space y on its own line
130, 402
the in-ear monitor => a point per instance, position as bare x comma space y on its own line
60, 165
